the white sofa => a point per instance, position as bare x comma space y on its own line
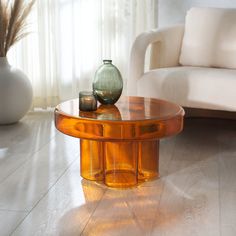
193, 65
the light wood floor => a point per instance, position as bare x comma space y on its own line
42, 193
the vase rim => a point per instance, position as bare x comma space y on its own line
107, 61
4, 61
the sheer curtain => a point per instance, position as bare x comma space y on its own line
70, 38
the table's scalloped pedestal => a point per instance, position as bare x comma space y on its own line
119, 164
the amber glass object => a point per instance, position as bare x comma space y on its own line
107, 83
120, 144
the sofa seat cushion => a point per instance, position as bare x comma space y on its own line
209, 38
196, 87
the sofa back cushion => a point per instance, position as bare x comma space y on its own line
209, 38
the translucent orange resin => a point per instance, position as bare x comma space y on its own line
119, 144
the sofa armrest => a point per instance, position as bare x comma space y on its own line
166, 45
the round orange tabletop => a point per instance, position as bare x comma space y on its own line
120, 143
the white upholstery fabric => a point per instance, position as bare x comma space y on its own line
197, 87
170, 39
209, 38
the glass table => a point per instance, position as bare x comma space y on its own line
119, 144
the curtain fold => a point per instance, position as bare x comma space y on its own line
70, 38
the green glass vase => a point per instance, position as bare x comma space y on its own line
107, 83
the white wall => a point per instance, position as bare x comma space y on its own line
174, 11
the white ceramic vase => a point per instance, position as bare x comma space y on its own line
15, 93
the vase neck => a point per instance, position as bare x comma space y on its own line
4, 62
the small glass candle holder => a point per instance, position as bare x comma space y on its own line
87, 101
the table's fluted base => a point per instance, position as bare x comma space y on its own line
119, 164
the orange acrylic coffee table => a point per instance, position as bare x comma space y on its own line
119, 144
